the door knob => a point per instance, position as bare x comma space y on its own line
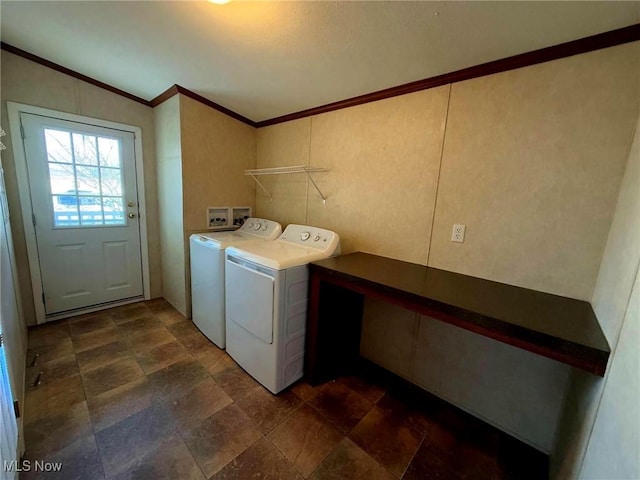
131, 215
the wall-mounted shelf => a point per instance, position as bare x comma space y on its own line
285, 171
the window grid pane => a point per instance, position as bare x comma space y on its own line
85, 178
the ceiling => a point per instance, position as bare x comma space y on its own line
266, 59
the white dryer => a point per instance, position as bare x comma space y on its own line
266, 302
207, 272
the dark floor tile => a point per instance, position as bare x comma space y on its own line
174, 380
349, 462
196, 404
222, 364
418, 416
46, 400
341, 405
162, 356
47, 352
369, 390
260, 461
235, 381
306, 391
119, 403
138, 325
197, 344
183, 329
48, 334
171, 317
412, 397
103, 355
125, 443
210, 356
468, 453
52, 371
305, 439
171, 460
430, 467
79, 460
157, 305
220, 438
129, 312
50, 434
91, 324
142, 342
266, 409
95, 339
389, 437
103, 379
517, 461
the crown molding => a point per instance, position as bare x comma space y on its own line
575, 47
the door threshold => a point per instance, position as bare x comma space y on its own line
95, 308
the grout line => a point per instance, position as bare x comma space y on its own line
435, 201
426, 435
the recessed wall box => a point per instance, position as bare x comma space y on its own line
218, 218
239, 215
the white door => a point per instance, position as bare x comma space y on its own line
82, 181
13, 344
8, 425
9, 331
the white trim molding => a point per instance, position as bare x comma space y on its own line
14, 110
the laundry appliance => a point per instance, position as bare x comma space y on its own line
266, 302
207, 272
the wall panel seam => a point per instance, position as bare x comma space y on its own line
435, 198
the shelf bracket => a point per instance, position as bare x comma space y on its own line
324, 200
285, 170
262, 187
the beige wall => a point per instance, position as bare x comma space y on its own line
170, 202
531, 161
283, 145
601, 415
532, 164
383, 160
27, 82
216, 150
202, 155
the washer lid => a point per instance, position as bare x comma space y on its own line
252, 230
278, 254
222, 240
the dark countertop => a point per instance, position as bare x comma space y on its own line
558, 327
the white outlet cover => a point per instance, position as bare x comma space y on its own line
457, 233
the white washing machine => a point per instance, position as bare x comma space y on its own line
207, 272
266, 302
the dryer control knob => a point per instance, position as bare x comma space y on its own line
257, 226
304, 236
264, 228
316, 238
250, 225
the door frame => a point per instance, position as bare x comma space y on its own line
14, 110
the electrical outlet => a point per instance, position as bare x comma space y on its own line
457, 235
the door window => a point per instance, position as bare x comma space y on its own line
85, 177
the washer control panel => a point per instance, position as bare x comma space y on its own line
312, 237
260, 227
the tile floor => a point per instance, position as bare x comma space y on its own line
137, 392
